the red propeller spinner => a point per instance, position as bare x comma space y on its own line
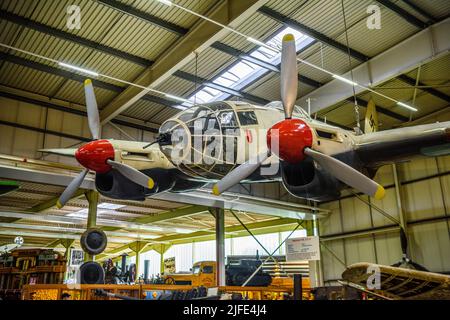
292, 136
94, 155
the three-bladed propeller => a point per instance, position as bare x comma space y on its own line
291, 139
97, 155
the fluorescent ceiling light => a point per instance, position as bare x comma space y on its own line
166, 2
111, 206
180, 107
404, 105
261, 44
92, 73
181, 230
345, 80
171, 96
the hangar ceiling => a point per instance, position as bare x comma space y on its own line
135, 40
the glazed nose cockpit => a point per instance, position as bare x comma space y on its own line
202, 140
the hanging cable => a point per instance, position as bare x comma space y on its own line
196, 77
358, 124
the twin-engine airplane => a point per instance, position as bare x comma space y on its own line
225, 143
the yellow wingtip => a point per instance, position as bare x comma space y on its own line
87, 82
58, 204
150, 183
380, 193
288, 37
216, 190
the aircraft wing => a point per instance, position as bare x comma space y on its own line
400, 144
61, 152
399, 283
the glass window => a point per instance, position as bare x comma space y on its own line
196, 270
247, 118
207, 269
227, 119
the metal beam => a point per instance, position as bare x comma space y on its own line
288, 22
37, 26
79, 78
236, 230
303, 79
420, 48
58, 72
169, 26
403, 13
245, 56
431, 91
53, 235
386, 112
44, 131
200, 37
53, 106
52, 202
172, 214
210, 84
115, 225
420, 10
327, 40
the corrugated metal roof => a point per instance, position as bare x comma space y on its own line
74, 91
437, 8
322, 16
143, 109
210, 62
268, 87
172, 14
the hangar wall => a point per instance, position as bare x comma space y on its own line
24, 142
425, 196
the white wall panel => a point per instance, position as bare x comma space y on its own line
331, 266
25, 143
424, 196
359, 249
332, 223
431, 245
387, 247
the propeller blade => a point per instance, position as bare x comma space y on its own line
347, 174
289, 76
132, 174
71, 189
92, 109
60, 152
240, 173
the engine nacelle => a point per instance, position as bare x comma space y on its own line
114, 185
305, 180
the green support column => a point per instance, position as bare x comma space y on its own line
220, 246
161, 249
137, 247
92, 197
66, 243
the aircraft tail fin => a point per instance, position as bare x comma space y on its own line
371, 121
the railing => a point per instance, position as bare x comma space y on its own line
87, 292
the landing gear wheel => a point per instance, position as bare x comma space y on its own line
91, 273
93, 241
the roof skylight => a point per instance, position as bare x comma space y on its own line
242, 73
